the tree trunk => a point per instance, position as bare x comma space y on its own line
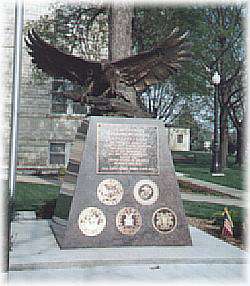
120, 31
239, 145
223, 116
120, 46
124, 103
120, 40
223, 135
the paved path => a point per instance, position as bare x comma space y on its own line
37, 180
213, 200
210, 186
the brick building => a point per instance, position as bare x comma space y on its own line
47, 124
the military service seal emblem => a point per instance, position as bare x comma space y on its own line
128, 221
91, 221
110, 192
164, 220
146, 192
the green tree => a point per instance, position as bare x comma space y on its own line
70, 28
216, 33
227, 47
237, 110
162, 101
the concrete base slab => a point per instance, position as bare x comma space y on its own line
25, 215
212, 273
34, 248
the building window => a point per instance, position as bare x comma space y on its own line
179, 138
59, 104
80, 109
58, 85
57, 153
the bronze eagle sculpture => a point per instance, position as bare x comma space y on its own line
138, 71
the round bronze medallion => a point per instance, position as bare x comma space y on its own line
91, 221
110, 192
146, 192
164, 220
128, 221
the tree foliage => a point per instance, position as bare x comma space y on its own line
67, 26
216, 34
160, 99
217, 37
77, 29
154, 24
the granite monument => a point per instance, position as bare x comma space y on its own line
126, 191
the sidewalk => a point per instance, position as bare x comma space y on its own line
213, 200
208, 186
37, 180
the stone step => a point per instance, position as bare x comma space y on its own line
25, 215
80, 136
73, 166
76, 151
83, 128
68, 188
70, 177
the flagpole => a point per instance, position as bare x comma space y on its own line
16, 85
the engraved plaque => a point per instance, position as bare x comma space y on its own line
164, 220
146, 192
110, 192
91, 221
127, 149
128, 221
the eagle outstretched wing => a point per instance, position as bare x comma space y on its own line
139, 71
58, 64
156, 65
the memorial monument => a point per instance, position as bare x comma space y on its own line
126, 191
120, 187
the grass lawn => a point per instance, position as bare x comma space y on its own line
30, 196
200, 169
207, 211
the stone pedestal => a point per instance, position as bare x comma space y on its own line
126, 191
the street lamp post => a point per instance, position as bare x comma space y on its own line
216, 168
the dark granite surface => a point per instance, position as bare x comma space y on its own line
168, 197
